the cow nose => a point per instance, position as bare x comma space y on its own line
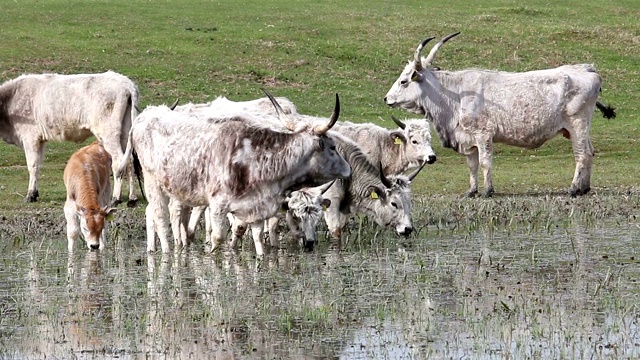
407, 231
385, 99
431, 159
94, 246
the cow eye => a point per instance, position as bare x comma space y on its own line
333, 148
404, 82
415, 142
394, 205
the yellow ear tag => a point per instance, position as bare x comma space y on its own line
414, 77
374, 195
324, 207
397, 141
109, 217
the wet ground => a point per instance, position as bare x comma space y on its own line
549, 291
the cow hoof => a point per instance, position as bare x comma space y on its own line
308, 245
471, 194
115, 202
131, 203
577, 192
488, 193
31, 197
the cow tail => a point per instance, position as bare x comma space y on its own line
125, 158
608, 111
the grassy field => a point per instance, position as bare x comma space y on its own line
308, 50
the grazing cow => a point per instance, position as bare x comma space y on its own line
472, 109
86, 178
387, 201
302, 211
232, 163
35, 109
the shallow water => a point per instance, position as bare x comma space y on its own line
562, 292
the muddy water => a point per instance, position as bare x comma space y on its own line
563, 292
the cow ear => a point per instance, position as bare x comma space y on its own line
398, 137
325, 204
416, 76
109, 212
321, 144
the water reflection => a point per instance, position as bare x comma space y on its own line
566, 292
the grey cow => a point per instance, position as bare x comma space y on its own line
37, 108
472, 109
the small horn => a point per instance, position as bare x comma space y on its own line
172, 107
321, 129
287, 121
326, 187
398, 122
417, 56
386, 182
415, 173
434, 49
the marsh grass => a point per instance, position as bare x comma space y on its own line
308, 51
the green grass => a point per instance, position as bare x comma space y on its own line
308, 50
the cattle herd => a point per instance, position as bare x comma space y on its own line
249, 164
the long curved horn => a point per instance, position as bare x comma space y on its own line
287, 121
386, 182
321, 129
172, 107
415, 173
326, 187
398, 122
434, 49
417, 60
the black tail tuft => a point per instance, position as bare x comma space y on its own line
137, 169
607, 111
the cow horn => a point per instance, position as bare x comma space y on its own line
321, 129
415, 173
325, 187
417, 57
434, 49
287, 121
172, 107
386, 182
398, 122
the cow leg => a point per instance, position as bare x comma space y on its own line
336, 221
473, 162
583, 153
272, 228
133, 198
196, 213
219, 228
34, 152
179, 216
207, 225
73, 224
238, 228
114, 148
257, 229
485, 154
157, 210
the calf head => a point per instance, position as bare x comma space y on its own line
413, 83
415, 137
391, 204
305, 209
92, 224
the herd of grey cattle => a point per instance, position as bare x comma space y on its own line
246, 164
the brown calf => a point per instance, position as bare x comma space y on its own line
87, 179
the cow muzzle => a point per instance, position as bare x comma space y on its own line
431, 159
406, 231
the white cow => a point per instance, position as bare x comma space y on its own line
232, 164
472, 109
35, 109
